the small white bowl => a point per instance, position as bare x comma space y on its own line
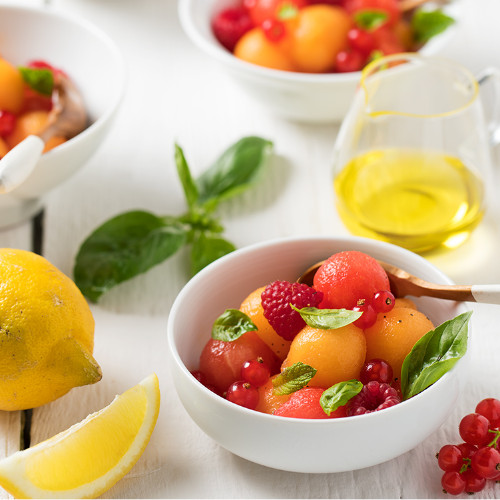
310, 98
291, 444
95, 65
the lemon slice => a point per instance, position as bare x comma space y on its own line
91, 456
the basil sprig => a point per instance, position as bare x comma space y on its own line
426, 24
339, 394
231, 325
327, 319
40, 80
133, 242
434, 354
370, 20
293, 378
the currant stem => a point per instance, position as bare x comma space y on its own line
497, 435
466, 465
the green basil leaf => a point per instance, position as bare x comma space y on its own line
124, 247
434, 354
237, 169
426, 24
231, 325
206, 248
293, 378
370, 20
287, 11
327, 319
188, 184
39, 79
339, 394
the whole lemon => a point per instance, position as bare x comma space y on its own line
46, 333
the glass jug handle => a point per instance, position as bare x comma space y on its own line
493, 74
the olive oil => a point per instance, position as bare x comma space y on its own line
416, 199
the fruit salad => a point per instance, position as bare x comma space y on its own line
38, 99
342, 347
323, 36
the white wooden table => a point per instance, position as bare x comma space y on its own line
176, 93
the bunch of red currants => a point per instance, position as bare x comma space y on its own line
469, 465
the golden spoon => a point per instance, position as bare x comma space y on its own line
403, 283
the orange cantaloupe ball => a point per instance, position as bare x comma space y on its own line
30, 123
4, 149
268, 401
53, 142
394, 334
255, 48
404, 302
337, 355
320, 33
252, 307
11, 88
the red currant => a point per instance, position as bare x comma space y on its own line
349, 60
255, 372
490, 408
7, 123
453, 483
474, 429
369, 316
361, 40
199, 376
376, 369
273, 29
214, 389
383, 301
467, 449
473, 482
486, 462
243, 394
450, 458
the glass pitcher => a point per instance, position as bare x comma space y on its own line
412, 157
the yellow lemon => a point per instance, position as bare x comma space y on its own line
91, 456
46, 333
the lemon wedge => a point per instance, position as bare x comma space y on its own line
91, 456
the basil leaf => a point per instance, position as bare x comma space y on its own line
339, 394
188, 184
370, 20
287, 11
237, 169
327, 319
39, 79
426, 24
206, 248
231, 325
293, 378
434, 354
124, 247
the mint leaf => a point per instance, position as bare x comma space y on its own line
188, 184
236, 170
40, 80
206, 248
434, 355
287, 11
339, 394
426, 24
293, 378
327, 319
231, 325
370, 20
123, 247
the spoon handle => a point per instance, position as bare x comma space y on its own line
486, 294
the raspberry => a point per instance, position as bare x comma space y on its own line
276, 299
373, 397
230, 25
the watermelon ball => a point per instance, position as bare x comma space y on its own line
347, 277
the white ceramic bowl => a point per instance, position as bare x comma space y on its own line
95, 65
313, 98
291, 444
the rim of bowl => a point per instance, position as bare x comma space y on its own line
106, 39
218, 52
291, 239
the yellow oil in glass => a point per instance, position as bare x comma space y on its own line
416, 199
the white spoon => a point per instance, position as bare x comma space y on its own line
16, 166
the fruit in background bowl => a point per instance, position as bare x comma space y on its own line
38, 99
314, 36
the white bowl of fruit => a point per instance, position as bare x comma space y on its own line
301, 59
306, 391
61, 79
